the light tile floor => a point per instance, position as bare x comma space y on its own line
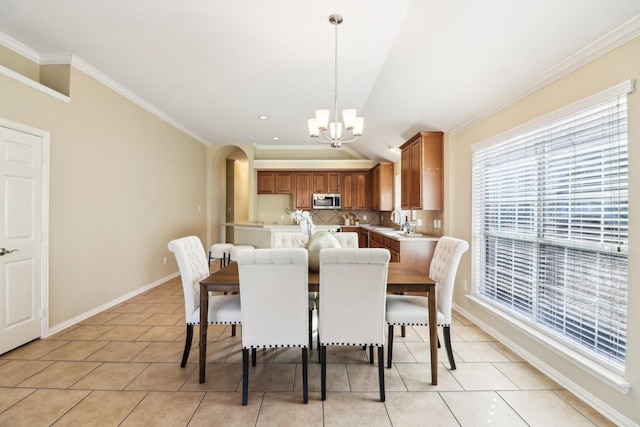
121, 368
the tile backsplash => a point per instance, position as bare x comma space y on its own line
427, 218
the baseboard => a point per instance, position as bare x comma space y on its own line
600, 406
79, 318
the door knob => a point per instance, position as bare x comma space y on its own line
3, 251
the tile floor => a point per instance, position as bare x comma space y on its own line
121, 368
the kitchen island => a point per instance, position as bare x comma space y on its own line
413, 249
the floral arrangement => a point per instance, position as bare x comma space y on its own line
303, 218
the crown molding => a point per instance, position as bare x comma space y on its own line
118, 88
19, 48
615, 38
312, 164
75, 61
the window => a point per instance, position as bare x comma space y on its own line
550, 225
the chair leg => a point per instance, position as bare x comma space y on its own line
370, 354
390, 344
323, 372
245, 375
187, 346
305, 376
233, 330
403, 329
381, 371
447, 343
253, 357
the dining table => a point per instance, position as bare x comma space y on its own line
401, 278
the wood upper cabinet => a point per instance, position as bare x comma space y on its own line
361, 191
333, 182
266, 182
422, 172
284, 182
302, 194
382, 187
270, 182
319, 182
348, 196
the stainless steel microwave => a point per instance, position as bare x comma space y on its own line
326, 201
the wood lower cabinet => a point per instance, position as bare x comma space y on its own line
422, 175
363, 235
415, 252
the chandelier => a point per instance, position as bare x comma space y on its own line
332, 133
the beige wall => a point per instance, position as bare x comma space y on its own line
122, 184
619, 65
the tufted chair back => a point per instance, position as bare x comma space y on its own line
283, 239
444, 266
273, 295
194, 267
353, 285
347, 240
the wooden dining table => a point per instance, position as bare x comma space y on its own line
400, 278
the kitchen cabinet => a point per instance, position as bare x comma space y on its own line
266, 182
284, 183
361, 191
348, 197
422, 172
363, 235
416, 252
355, 190
333, 182
302, 195
319, 180
270, 182
382, 187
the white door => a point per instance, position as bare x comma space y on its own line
20, 238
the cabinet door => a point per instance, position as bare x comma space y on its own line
303, 190
266, 182
375, 188
432, 177
284, 182
415, 190
319, 182
405, 177
333, 182
348, 196
361, 182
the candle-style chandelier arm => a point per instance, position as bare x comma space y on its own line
352, 124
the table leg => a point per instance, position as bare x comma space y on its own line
204, 309
433, 335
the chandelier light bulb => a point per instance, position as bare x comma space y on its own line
352, 124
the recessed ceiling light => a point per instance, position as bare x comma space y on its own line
263, 117
393, 149
275, 138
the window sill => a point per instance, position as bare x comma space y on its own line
613, 379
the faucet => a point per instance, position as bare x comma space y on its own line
393, 216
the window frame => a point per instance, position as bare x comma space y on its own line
478, 253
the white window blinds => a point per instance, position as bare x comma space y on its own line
550, 226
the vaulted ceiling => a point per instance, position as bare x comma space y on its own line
215, 66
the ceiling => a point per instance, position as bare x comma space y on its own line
214, 66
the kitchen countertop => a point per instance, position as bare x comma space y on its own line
387, 231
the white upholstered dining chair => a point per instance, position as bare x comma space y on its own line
405, 310
194, 267
273, 291
353, 284
283, 239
